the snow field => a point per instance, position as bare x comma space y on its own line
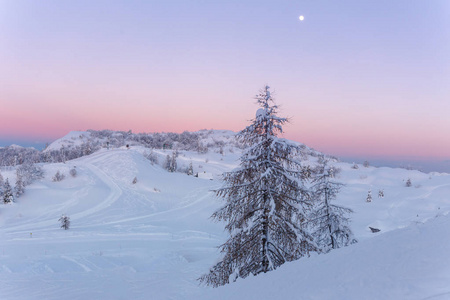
152, 239
124, 238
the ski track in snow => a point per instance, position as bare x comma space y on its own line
96, 173
99, 248
115, 193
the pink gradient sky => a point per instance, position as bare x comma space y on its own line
363, 79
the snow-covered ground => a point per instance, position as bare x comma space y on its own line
153, 239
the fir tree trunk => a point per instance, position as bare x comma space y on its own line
333, 244
265, 238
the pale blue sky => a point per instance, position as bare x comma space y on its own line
358, 78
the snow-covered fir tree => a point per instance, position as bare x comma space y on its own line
8, 196
65, 222
369, 196
329, 221
190, 169
152, 157
266, 202
381, 194
171, 162
2, 183
19, 187
167, 163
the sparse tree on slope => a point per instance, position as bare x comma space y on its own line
171, 162
65, 222
8, 196
2, 183
190, 169
408, 182
19, 188
369, 196
329, 221
266, 202
32, 173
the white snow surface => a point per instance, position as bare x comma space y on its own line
153, 239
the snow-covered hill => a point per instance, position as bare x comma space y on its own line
152, 239
70, 140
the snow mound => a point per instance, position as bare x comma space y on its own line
409, 263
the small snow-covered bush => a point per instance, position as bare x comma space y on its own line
58, 176
135, 180
73, 172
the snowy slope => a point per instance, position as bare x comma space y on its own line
139, 237
409, 263
152, 239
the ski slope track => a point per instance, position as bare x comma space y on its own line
121, 235
153, 239
114, 195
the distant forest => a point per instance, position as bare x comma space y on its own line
88, 144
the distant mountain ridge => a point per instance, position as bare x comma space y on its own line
81, 143
182, 141
201, 141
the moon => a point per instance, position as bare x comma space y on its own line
301, 18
